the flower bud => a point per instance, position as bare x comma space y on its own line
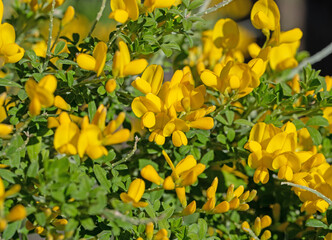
190, 209
221, 207
150, 174
149, 230
110, 85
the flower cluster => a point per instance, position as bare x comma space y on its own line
90, 138
172, 108
285, 150
259, 225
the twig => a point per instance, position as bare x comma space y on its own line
50, 30
100, 13
251, 233
154, 189
118, 215
205, 5
312, 60
318, 194
212, 9
57, 36
129, 155
115, 36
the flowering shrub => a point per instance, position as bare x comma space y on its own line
169, 127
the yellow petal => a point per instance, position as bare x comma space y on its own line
99, 54
266, 221
135, 67
168, 183
209, 78
5, 129
49, 83
154, 75
141, 85
190, 209
69, 15
86, 62
185, 164
179, 139
136, 189
119, 15
221, 207
118, 137
16, 213
181, 193
203, 123
59, 102
138, 107
149, 119
150, 174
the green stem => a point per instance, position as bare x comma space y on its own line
251, 233
49, 41
57, 36
116, 34
318, 194
129, 155
154, 189
212, 9
100, 13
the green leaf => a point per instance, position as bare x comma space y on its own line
92, 109
32, 55
244, 122
101, 177
202, 228
230, 134
315, 223
41, 218
88, 224
230, 116
33, 169
209, 156
8, 83
315, 135
59, 47
11, 230
317, 121
34, 150
195, 4
168, 51
7, 175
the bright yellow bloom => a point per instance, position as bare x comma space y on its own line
40, 94
66, 135
60, 103
150, 174
96, 62
161, 235
151, 80
124, 9
149, 230
122, 66
135, 193
265, 15
95, 135
5, 129
190, 209
10, 52
260, 223
226, 34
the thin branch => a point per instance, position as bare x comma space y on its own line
205, 5
49, 41
100, 13
318, 194
116, 34
57, 36
251, 233
212, 9
312, 60
129, 155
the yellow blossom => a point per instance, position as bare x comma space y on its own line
96, 62
190, 209
135, 193
124, 9
68, 15
122, 66
40, 94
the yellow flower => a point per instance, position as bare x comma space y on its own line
151, 80
96, 62
124, 9
10, 52
5, 129
161, 235
265, 15
190, 209
122, 66
135, 193
150, 174
226, 34
60, 103
66, 135
95, 135
149, 230
40, 94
